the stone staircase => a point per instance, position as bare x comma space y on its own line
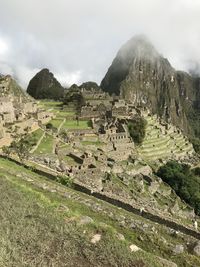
161, 142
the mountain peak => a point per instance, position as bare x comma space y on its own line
136, 54
145, 78
45, 85
139, 46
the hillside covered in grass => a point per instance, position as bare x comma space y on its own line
46, 224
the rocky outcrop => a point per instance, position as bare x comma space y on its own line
178, 249
142, 76
196, 249
45, 86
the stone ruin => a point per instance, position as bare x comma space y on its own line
18, 111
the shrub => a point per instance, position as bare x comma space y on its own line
196, 144
184, 181
137, 127
49, 126
65, 180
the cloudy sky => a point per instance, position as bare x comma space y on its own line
78, 39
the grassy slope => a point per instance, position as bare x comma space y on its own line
36, 230
35, 221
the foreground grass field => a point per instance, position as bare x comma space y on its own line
40, 229
47, 224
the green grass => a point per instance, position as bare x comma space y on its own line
95, 143
45, 146
69, 160
33, 233
56, 108
72, 124
49, 104
35, 136
65, 114
56, 122
38, 230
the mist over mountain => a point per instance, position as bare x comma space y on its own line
144, 77
76, 40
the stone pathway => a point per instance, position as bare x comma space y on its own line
56, 140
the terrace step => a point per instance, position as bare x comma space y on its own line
161, 143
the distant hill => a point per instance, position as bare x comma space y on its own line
45, 86
141, 75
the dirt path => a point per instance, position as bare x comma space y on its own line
56, 140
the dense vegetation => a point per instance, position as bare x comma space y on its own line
89, 85
75, 97
136, 129
45, 86
184, 180
196, 144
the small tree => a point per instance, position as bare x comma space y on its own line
77, 120
64, 136
137, 127
49, 126
21, 148
65, 180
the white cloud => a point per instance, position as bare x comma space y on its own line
4, 47
67, 79
78, 39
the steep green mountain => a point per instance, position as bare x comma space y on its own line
141, 75
45, 86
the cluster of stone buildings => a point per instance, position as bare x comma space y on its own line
95, 161
19, 113
94, 94
109, 107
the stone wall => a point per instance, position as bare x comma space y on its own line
28, 107
92, 177
7, 118
2, 131
44, 116
22, 126
6, 110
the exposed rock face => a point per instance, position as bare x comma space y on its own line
140, 74
44, 85
178, 249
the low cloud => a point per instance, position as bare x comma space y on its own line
77, 40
